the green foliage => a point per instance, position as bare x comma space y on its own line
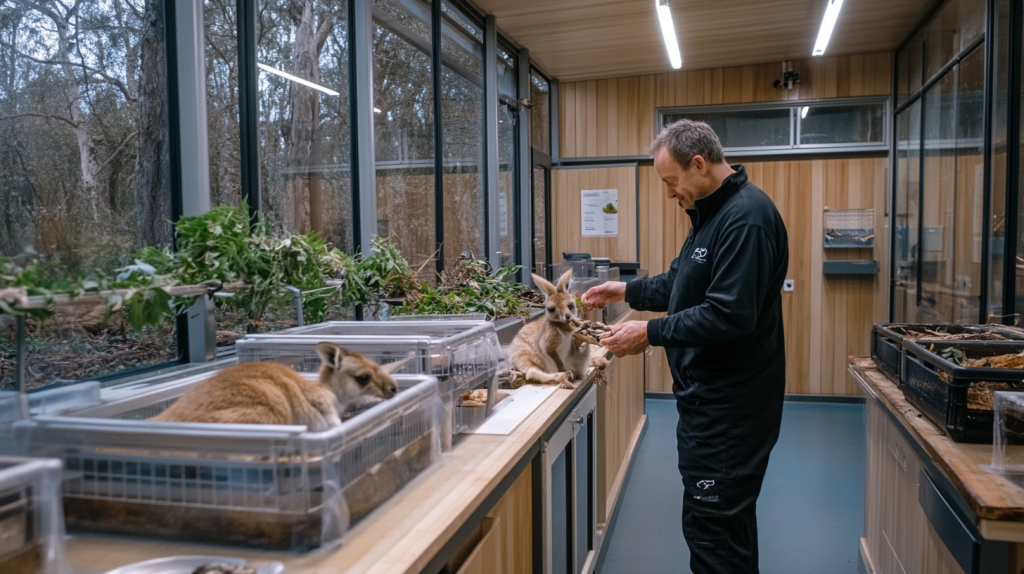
953, 354
139, 288
469, 288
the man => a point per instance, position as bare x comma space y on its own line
724, 341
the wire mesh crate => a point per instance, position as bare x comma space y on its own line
264, 486
849, 228
956, 398
887, 340
463, 355
31, 521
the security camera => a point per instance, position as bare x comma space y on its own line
789, 78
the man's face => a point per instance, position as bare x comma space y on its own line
685, 186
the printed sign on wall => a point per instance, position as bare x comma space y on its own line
600, 209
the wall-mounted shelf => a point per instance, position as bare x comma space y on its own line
851, 268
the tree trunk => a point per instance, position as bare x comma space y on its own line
304, 138
78, 118
152, 200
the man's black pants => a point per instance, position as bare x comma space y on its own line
723, 455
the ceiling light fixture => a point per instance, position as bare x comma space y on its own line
668, 32
827, 23
803, 112
288, 76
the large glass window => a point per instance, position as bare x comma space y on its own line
907, 189
969, 213
404, 128
222, 102
999, 100
540, 114
540, 210
305, 132
824, 125
951, 31
936, 264
508, 118
909, 61
84, 170
462, 129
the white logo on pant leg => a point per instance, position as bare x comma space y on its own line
705, 484
700, 255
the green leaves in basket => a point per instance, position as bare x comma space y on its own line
952, 354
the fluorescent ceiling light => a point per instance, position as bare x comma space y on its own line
803, 112
827, 23
668, 32
288, 76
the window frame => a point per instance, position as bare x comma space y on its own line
795, 123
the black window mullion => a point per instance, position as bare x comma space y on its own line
435, 17
248, 105
1012, 164
987, 90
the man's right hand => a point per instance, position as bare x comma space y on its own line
605, 294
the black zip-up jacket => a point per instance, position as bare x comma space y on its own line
723, 333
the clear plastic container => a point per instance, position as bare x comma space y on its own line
1008, 436
31, 520
274, 487
463, 355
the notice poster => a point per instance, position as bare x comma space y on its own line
600, 208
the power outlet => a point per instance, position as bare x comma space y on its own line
788, 285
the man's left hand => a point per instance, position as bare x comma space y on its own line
629, 338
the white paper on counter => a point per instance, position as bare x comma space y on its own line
600, 211
515, 409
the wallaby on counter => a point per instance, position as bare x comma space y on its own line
272, 393
545, 351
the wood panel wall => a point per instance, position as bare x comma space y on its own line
826, 318
620, 412
616, 116
566, 220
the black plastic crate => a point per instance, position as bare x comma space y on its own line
887, 341
940, 388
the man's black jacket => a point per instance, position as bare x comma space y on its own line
723, 334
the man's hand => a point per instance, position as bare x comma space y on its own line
629, 338
605, 294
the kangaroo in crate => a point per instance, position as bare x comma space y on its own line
272, 393
545, 351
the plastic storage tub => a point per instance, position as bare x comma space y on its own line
463, 355
264, 486
31, 521
887, 341
958, 399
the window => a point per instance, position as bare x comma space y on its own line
958, 24
823, 125
998, 166
462, 129
222, 113
508, 118
540, 114
404, 128
907, 167
84, 170
540, 209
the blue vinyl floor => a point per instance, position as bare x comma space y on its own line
810, 514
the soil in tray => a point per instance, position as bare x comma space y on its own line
28, 560
272, 531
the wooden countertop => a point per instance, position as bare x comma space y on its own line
997, 502
399, 537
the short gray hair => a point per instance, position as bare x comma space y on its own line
685, 139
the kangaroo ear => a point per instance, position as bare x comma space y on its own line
390, 368
330, 354
544, 284
563, 281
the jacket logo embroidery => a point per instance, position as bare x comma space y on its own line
700, 255
705, 484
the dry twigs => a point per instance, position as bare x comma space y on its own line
589, 331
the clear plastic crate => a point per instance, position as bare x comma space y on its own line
849, 228
1008, 436
31, 520
463, 355
274, 487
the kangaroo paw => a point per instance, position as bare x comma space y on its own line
564, 380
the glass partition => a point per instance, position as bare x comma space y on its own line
999, 101
508, 119
462, 129
905, 253
540, 114
404, 128
222, 112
